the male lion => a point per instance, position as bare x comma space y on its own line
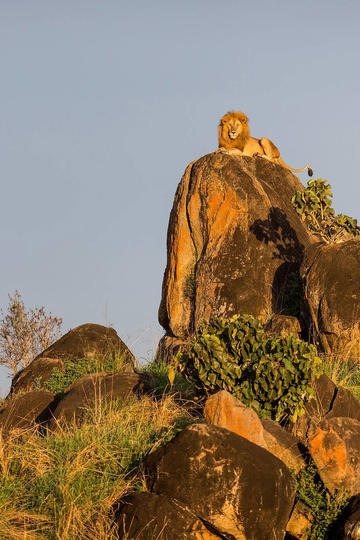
234, 132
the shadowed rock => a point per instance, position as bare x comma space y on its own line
24, 410
146, 516
232, 484
330, 401
283, 445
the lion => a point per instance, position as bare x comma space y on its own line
234, 133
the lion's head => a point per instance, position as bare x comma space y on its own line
233, 130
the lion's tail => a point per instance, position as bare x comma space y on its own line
309, 169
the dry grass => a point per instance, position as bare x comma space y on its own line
63, 485
343, 371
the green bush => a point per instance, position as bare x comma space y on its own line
314, 205
271, 374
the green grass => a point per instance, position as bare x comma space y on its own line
159, 381
64, 484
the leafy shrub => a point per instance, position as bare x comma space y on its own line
271, 374
314, 205
325, 508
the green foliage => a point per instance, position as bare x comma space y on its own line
271, 374
314, 205
325, 508
76, 368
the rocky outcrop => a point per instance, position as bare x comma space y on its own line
235, 243
93, 390
237, 487
85, 341
146, 516
332, 275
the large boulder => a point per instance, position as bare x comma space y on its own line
89, 340
93, 390
146, 516
25, 410
228, 482
235, 244
332, 289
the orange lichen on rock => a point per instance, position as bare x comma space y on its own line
328, 448
224, 410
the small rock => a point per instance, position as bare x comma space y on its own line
300, 522
224, 410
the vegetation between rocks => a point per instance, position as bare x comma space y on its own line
325, 507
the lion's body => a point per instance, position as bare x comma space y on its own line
234, 133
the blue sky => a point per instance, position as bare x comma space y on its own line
103, 104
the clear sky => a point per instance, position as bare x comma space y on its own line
103, 104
